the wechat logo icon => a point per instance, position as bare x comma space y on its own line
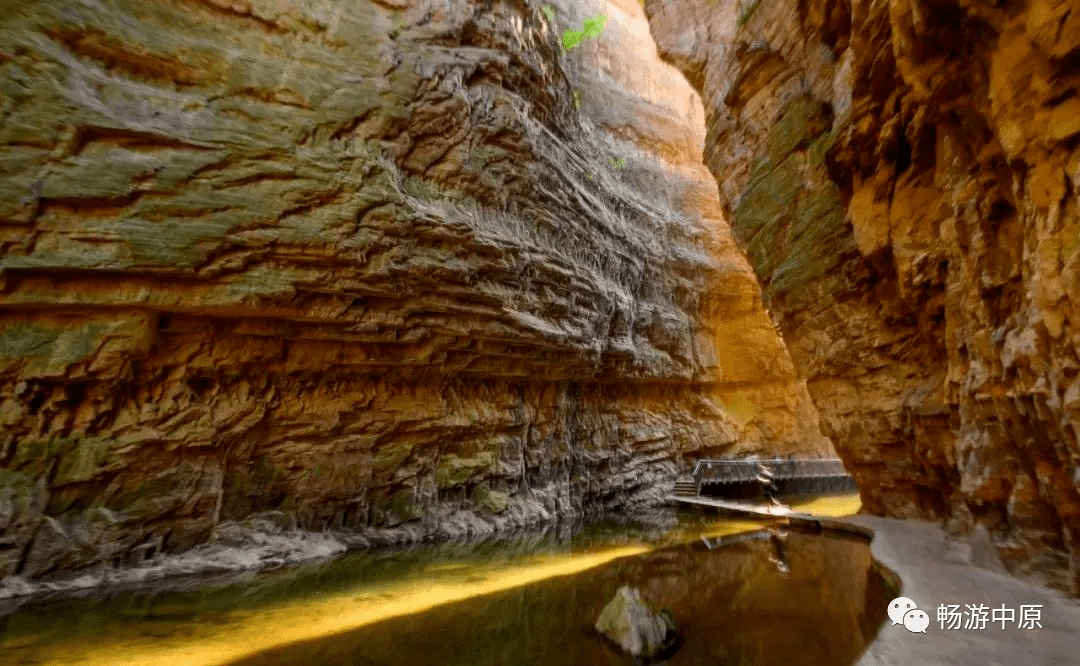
904, 611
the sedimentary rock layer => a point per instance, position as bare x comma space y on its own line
904, 176
355, 265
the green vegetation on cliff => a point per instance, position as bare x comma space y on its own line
790, 215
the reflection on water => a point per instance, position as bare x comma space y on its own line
733, 605
524, 601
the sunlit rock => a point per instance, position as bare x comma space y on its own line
905, 178
632, 625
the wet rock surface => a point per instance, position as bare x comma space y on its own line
904, 177
366, 265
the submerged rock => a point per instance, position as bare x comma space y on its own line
631, 624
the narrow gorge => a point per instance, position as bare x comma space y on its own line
406, 270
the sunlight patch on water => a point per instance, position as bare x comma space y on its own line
833, 507
247, 633
176, 636
727, 528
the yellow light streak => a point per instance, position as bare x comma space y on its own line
212, 645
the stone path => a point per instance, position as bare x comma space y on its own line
937, 570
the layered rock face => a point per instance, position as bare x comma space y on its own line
356, 265
904, 177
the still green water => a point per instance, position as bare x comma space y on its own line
739, 596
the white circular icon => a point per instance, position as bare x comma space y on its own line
916, 621
898, 607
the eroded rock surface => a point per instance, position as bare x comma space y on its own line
364, 265
904, 176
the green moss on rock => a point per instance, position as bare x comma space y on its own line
818, 239
454, 470
20, 495
48, 350
82, 460
402, 507
154, 496
22, 502
259, 281
391, 456
762, 216
790, 215
493, 500
799, 121
35, 456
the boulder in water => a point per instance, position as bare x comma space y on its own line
632, 625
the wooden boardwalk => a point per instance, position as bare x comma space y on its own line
774, 515
745, 508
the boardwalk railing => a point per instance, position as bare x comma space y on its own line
744, 471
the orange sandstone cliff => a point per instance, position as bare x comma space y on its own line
904, 175
400, 268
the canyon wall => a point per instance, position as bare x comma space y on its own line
904, 176
403, 267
